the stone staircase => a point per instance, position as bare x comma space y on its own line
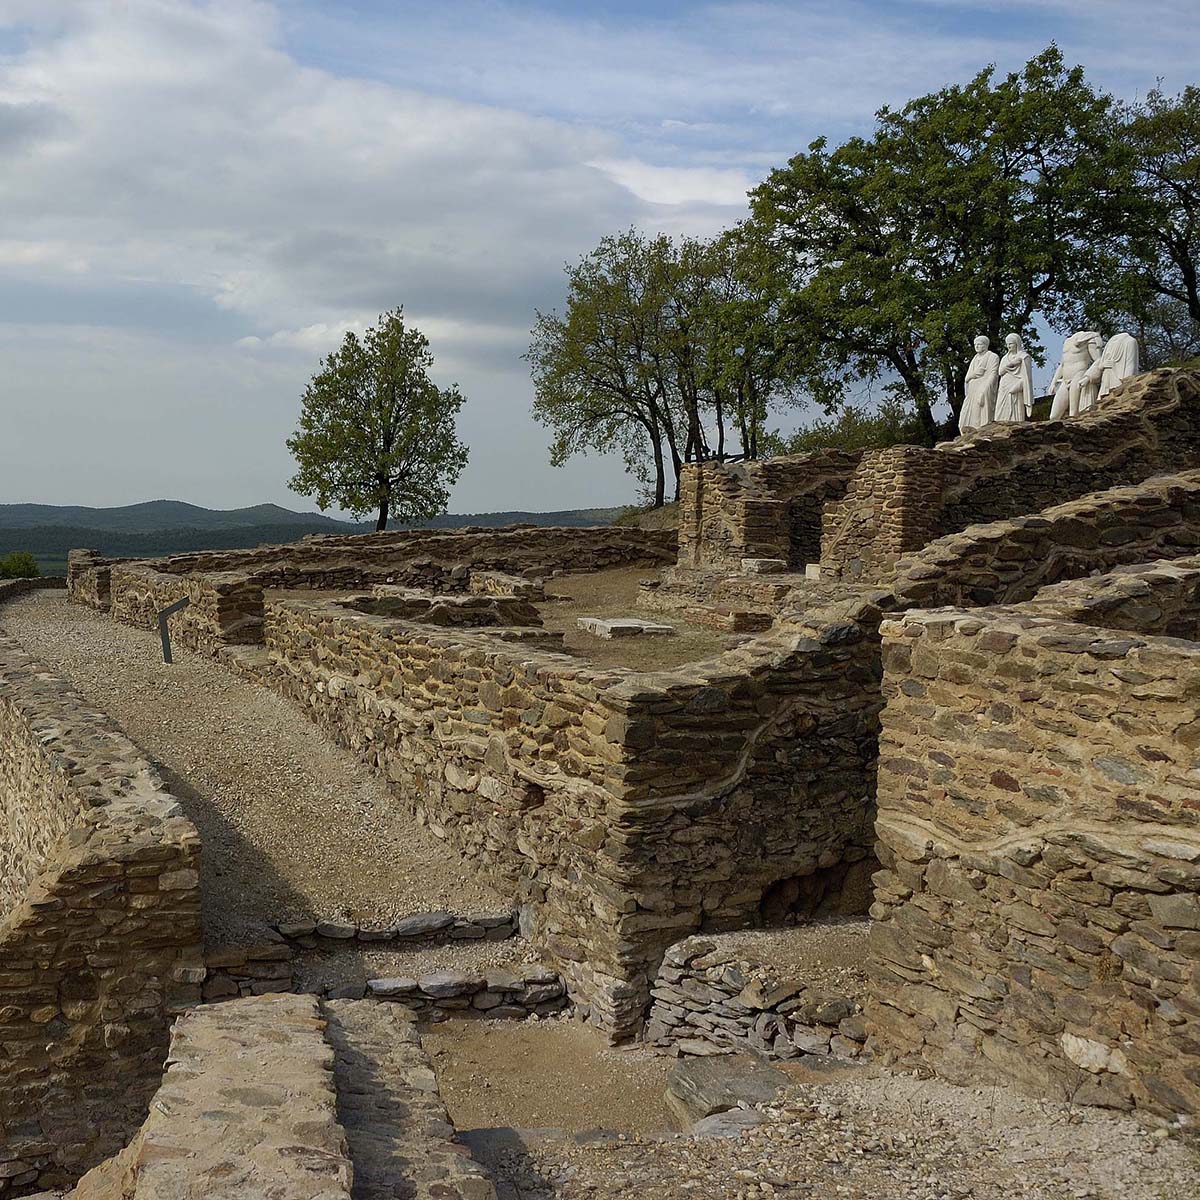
399, 1134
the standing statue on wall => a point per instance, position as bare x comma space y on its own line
983, 377
1074, 392
1014, 395
1119, 361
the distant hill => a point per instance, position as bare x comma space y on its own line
161, 527
156, 515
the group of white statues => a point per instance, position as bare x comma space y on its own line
1001, 389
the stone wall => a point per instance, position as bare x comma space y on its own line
711, 998
622, 811
436, 559
248, 1107
1039, 824
1008, 561
224, 609
88, 577
903, 497
770, 508
1154, 597
100, 931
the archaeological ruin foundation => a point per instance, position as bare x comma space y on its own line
946, 696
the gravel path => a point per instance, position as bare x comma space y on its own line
870, 1136
292, 826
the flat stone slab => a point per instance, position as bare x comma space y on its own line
730, 1123
623, 627
764, 566
699, 1087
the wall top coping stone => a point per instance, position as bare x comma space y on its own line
124, 805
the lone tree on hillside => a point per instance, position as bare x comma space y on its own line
376, 433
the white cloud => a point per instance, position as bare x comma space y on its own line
210, 192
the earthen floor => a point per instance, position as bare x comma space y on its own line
293, 827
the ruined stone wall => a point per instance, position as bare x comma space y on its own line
710, 998
225, 609
247, 1107
1008, 561
765, 509
903, 497
623, 811
99, 934
88, 578
1038, 920
1155, 597
438, 559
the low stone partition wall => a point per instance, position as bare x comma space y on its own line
10, 589
248, 1107
711, 997
89, 575
622, 810
496, 994
223, 610
421, 927
770, 508
1038, 920
246, 970
1008, 561
439, 560
100, 940
1156, 597
903, 497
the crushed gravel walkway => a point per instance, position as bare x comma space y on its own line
293, 827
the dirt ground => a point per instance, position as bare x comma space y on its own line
613, 593
551, 1073
830, 953
293, 826
858, 1134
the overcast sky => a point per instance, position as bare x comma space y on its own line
197, 199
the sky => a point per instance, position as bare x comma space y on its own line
199, 197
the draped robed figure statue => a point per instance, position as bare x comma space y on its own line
983, 378
1014, 395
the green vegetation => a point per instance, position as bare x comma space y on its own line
988, 207
19, 565
891, 424
666, 350
376, 433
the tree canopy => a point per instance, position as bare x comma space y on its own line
667, 352
1001, 205
375, 433
971, 210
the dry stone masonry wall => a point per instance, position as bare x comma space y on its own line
621, 810
903, 497
100, 933
765, 509
708, 999
1039, 822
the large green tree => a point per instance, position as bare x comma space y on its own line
975, 209
1156, 292
665, 349
376, 434
599, 371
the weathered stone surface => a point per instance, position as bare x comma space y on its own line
623, 627
700, 1087
100, 938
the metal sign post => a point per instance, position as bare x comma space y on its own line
178, 606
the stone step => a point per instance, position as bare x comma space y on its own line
401, 1141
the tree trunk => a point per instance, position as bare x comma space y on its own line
660, 472
381, 524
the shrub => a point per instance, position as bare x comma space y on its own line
891, 423
20, 564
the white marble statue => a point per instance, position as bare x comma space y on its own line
983, 377
1074, 392
1014, 395
1119, 361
